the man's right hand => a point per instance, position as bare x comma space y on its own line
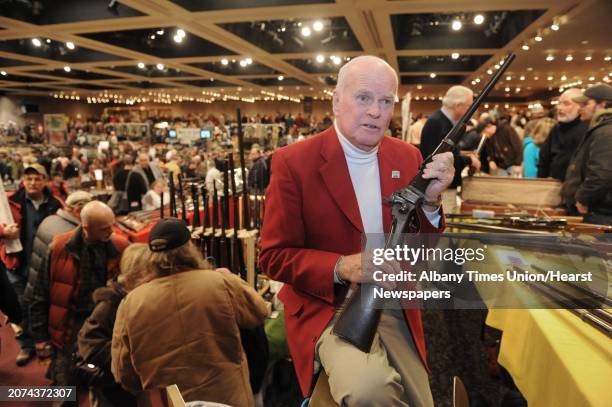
11, 232
351, 269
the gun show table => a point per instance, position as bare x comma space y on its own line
554, 358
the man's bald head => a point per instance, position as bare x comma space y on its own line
567, 109
364, 99
97, 220
363, 64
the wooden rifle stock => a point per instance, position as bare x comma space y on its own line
358, 321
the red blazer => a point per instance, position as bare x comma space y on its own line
311, 219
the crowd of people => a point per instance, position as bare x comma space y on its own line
570, 143
70, 274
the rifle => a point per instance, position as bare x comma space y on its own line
182, 198
358, 321
483, 138
205, 236
161, 208
196, 206
246, 221
173, 211
227, 253
238, 265
216, 252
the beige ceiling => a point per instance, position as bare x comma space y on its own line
584, 30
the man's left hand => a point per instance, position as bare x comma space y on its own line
441, 171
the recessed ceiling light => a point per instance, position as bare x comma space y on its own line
141, 65
320, 58
281, 77
490, 72
152, 36
538, 38
419, 87
525, 47
306, 31
554, 27
243, 63
550, 58
588, 58
432, 75
607, 58
249, 61
508, 78
522, 77
535, 78
36, 42
317, 25
224, 61
160, 31
3, 73
478, 19
550, 78
160, 67
591, 78
67, 68
506, 89
180, 33
564, 78
48, 41
456, 25
569, 58
477, 80
70, 45
455, 55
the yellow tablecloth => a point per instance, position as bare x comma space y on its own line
555, 358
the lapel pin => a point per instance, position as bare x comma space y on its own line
395, 174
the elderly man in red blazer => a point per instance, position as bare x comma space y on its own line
325, 193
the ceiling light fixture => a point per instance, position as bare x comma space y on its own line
70, 45
432, 75
180, 33
306, 31
508, 78
243, 63
320, 58
550, 58
538, 37
456, 25
564, 78
249, 61
522, 77
48, 41
67, 68
419, 87
160, 67
555, 25
224, 61
591, 78
588, 58
337, 61
455, 55
525, 47
506, 89
607, 58
317, 25
489, 71
160, 31
178, 38
36, 42
569, 58
3, 73
281, 77
141, 65
478, 19
550, 78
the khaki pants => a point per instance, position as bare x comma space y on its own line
392, 374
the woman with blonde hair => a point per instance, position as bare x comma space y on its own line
95, 337
536, 133
183, 327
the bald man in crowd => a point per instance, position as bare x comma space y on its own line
557, 150
325, 195
79, 261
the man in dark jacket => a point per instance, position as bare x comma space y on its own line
557, 150
588, 182
32, 203
258, 176
454, 105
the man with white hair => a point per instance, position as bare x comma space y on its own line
325, 194
140, 179
454, 105
79, 261
556, 152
